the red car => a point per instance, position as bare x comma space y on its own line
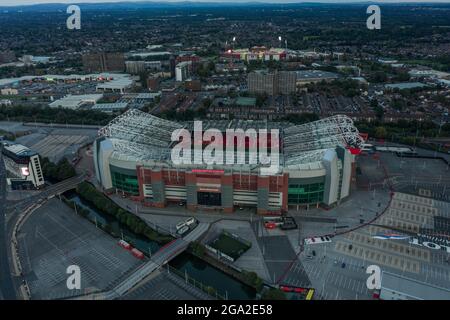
270, 225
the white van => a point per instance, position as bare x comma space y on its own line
180, 225
183, 230
190, 221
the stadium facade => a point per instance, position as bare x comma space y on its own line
132, 156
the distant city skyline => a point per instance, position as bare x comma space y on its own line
33, 2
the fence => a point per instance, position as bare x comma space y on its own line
219, 254
210, 291
234, 236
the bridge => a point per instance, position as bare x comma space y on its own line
48, 192
160, 258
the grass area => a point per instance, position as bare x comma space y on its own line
230, 246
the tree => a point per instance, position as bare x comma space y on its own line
273, 294
261, 99
197, 248
380, 132
253, 279
57, 172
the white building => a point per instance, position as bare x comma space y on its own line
5, 102
9, 92
119, 85
182, 70
75, 102
23, 167
110, 107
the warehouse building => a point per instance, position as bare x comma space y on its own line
76, 102
132, 156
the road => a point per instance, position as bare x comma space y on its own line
8, 218
7, 291
49, 191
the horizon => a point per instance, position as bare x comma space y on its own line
17, 3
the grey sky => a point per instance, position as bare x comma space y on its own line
28, 2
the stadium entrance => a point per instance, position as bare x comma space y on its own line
209, 198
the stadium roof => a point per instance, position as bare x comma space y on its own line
141, 136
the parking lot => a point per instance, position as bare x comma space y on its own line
53, 238
356, 250
57, 143
279, 254
164, 286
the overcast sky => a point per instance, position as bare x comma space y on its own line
21, 2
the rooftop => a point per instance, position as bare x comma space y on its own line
406, 85
20, 150
315, 74
244, 101
75, 101
109, 106
110, 77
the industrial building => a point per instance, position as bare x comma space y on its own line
75, 102
23, 168
132, 156
110, 107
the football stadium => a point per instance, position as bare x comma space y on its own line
133, 157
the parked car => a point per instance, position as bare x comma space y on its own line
190, 221
183, 230
180, 225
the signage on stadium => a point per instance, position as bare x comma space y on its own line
208, 190
207, 171
423, 240
431, 242
213, 154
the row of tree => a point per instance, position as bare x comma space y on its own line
46, 114
102, 203
56, 172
